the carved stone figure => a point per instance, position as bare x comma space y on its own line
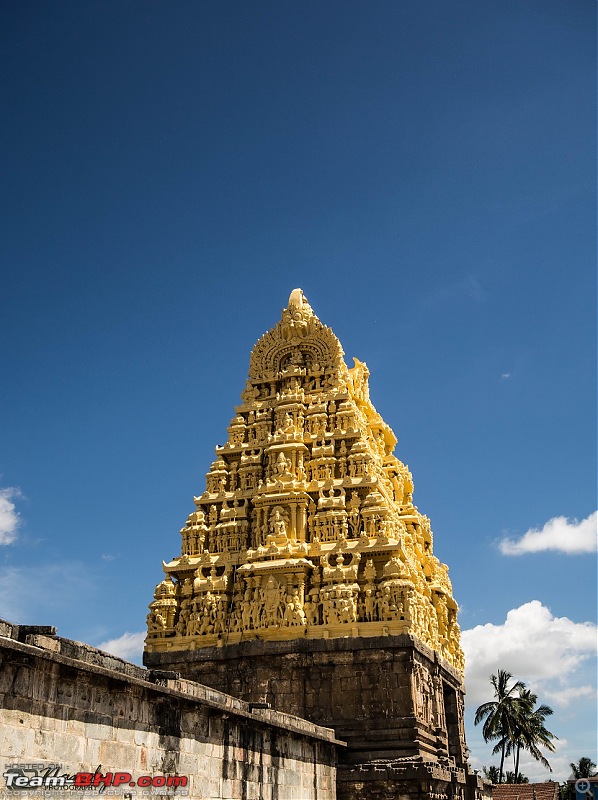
277, 524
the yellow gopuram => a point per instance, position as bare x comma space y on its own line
307, 527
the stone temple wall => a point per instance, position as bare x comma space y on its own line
394, 701
387, 697
65, 703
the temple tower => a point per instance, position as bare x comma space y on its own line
307, 577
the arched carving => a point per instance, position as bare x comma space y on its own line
298, 342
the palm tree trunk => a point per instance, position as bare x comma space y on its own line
517, 763
502, 761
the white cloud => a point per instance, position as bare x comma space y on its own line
565, 697
555, 657
128, 646
9, 517
564, 753
560, 534
532, 644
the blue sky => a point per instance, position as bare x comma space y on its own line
424, 171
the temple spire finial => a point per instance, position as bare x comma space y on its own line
296, 298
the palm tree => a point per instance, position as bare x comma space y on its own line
510, 777
528, 731
584, 768
499, 715
491, 773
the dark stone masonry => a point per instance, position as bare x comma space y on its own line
395, 703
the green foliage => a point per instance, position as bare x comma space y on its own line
492, 773
510, 777
512, 721
497, 715
566, 792
584, 768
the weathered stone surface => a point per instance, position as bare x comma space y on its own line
395, 702
97, 709
387, 697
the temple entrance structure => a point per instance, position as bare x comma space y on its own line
307, 578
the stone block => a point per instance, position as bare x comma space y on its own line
16, 740
100, 732
117, 754
47, 642
44, 741
68, 749
141, 737
91, 752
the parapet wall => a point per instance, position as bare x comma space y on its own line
68, 704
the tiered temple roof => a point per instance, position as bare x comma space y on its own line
307, 527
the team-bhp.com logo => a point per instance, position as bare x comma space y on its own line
49, 776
